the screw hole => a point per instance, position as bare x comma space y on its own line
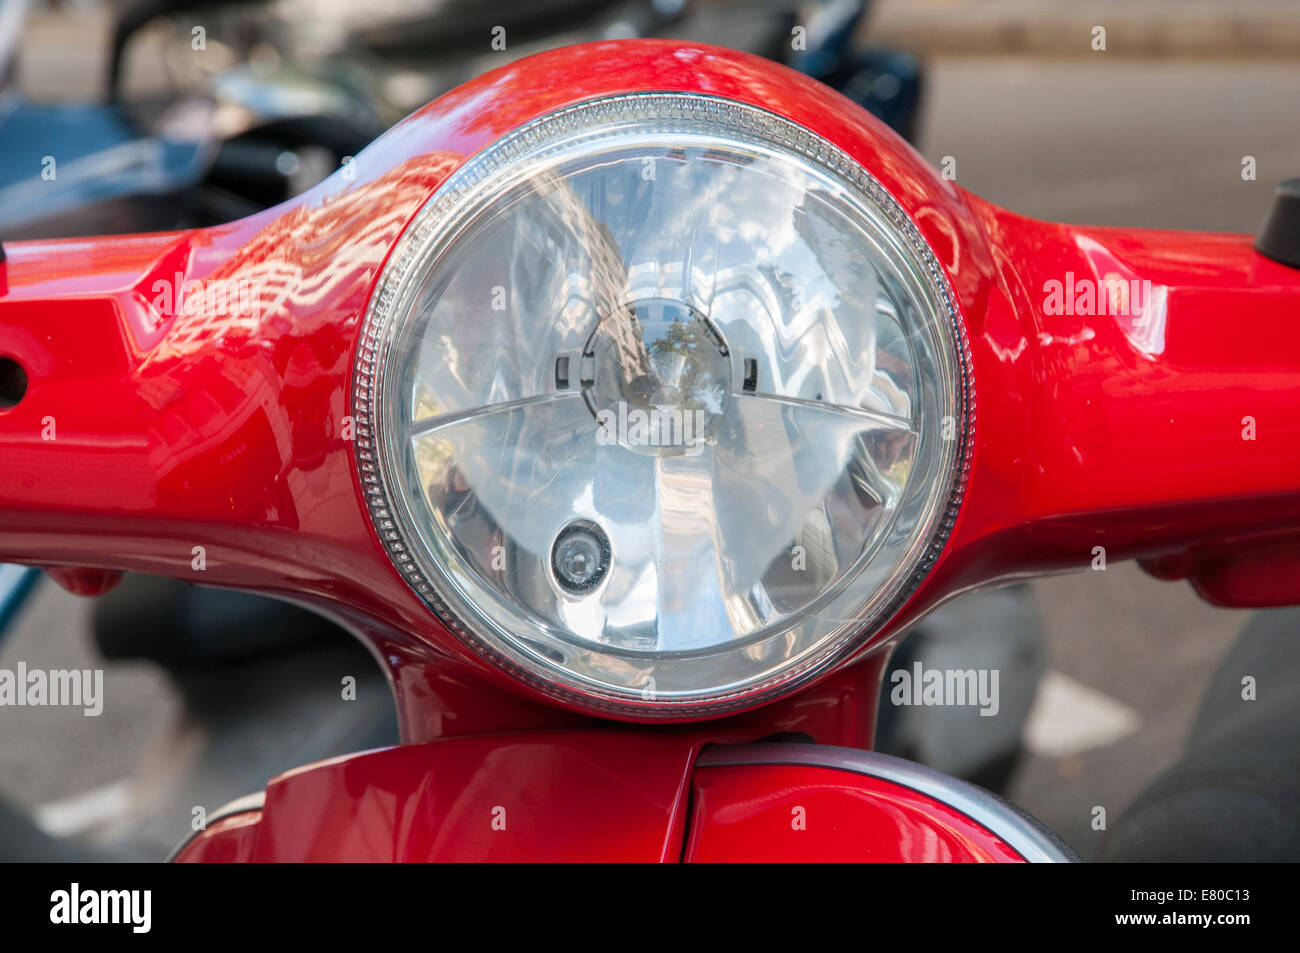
13, 382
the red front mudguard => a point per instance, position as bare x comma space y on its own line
619, 796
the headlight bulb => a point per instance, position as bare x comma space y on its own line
658, 377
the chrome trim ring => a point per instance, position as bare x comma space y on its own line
376, 463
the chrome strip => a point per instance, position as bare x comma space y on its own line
1028, 836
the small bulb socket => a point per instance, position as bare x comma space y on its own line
580, 557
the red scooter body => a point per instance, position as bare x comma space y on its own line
164, 436
618, 795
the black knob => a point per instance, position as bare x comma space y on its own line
1279, 239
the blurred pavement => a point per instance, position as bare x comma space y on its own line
1201, 29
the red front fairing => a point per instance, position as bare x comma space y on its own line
593, 796
163, 433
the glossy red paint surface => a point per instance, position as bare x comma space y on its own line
166, 430
229, 840
793, 813
439, 701
1168, 432
84, 582
583, 796
202, 439
588, 796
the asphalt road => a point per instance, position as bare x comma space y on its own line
1096, 140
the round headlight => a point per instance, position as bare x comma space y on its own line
662, 404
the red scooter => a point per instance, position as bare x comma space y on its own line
631, 402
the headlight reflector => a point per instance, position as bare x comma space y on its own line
663, 404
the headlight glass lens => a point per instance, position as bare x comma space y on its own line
663, 404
